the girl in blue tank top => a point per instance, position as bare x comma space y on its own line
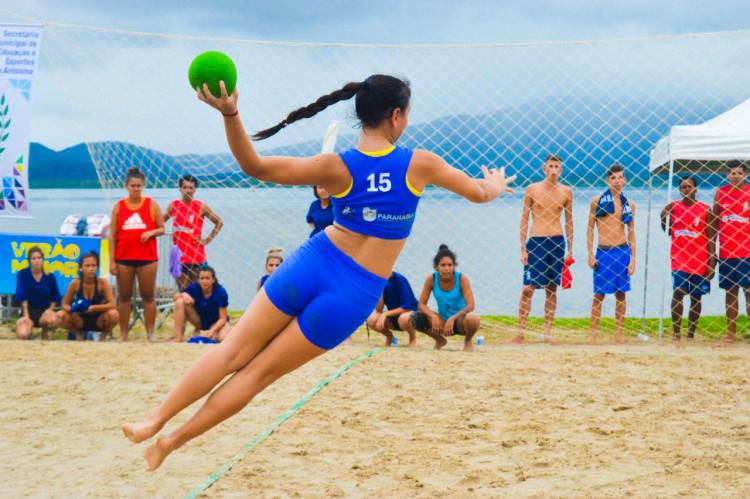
455, 300
375, 189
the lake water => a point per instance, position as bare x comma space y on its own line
485, 237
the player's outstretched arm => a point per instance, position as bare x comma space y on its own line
323, 169
428, 168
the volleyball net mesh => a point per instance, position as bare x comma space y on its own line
591, 103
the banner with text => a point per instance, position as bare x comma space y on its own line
61, 254
19, 54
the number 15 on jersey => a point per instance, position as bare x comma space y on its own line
383, 185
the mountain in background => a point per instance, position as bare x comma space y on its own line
69, 168
588, 133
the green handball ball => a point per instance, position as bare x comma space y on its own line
210, 68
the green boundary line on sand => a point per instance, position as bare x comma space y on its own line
200, 488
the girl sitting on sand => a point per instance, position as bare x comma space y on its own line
455, 300
89, 304
38, 295
203, 304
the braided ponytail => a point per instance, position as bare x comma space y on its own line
344, 93
377, 97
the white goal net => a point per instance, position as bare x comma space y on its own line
591, 103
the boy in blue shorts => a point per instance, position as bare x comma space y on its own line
544, 253
613, 217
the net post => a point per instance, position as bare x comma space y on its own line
664, 280
645, 267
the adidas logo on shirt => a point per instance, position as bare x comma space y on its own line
134, 222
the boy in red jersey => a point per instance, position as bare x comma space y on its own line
732, 207
188, 215
692, 227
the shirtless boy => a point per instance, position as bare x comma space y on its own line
544, 253
613, 217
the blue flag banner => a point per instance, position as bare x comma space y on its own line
61, 255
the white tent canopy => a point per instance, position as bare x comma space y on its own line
704, 147
723, 138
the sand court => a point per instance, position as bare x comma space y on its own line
507, 421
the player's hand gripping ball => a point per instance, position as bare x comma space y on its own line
210, 68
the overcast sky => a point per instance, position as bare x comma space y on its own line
397, 21
362, 21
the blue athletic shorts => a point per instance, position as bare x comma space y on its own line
692, 284
545, 264
329, 293
611, 274
734, 272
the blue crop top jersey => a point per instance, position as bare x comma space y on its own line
379, 202
451, 301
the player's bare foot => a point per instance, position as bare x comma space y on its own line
468, 346
156, 453
594, 338
388, 339
519, 338
123, 338
137, 433
619, 338
729, 339
677, 341
440, 342
547, 338
412, 343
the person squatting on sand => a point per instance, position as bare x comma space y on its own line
455, 300
38, 294
203, 304
136, 223
544, 253
399, 302
375, 189
187, 230
89, 303
612, 216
